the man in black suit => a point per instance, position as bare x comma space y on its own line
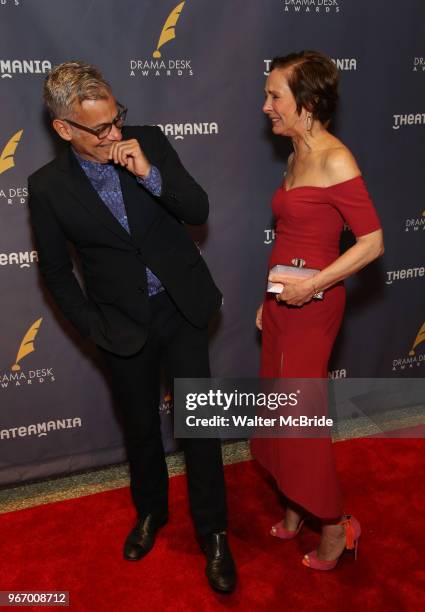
122, 197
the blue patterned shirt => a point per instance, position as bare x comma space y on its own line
105, 180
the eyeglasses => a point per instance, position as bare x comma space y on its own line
103, 130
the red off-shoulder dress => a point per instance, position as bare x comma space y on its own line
297, 342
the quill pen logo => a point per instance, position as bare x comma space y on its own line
16, 376
414, 359
158, 66
168, 32
418, 340
7, 160
27, 345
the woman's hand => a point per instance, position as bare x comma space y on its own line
259, 318
296, 291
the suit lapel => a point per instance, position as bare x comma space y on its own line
81, 187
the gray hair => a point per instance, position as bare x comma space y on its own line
70, 83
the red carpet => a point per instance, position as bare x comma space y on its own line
76, 545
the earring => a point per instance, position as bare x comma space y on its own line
309, 122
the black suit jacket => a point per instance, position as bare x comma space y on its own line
113, 311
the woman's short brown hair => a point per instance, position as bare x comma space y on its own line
313, 80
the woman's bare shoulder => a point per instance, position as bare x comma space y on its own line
339, 165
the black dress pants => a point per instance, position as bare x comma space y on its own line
182, 350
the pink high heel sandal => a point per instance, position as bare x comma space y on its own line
279, 531
352, 535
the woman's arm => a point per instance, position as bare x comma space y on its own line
339, 166
298, 292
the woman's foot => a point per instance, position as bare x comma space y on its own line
292, 519
289, 526
335, 539
332, 542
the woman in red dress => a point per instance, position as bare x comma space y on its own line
323, 188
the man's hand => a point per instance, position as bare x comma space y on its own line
128, 154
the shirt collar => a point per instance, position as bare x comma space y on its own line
88, 163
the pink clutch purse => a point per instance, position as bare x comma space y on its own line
296, 271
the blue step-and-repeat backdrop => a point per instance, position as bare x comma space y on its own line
204, 86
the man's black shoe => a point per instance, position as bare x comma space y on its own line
141, 538
220, 569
